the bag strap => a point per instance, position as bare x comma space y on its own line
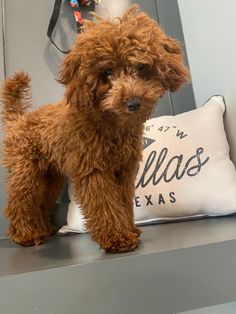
77, 14
53, 22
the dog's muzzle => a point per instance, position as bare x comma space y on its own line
133, 104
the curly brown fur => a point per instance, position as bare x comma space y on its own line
114, 75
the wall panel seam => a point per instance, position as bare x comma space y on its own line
169, 94
4, 38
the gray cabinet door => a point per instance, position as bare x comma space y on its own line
169, 18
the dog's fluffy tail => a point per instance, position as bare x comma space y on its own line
15, 96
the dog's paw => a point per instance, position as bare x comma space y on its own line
137, 231
122, 242
31, 239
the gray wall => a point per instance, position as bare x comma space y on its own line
209, 29
28, 48
1, 46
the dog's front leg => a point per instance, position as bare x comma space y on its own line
106, 215
126, 179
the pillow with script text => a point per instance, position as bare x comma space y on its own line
186, 171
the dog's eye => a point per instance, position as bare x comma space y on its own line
141, 66
107, 72
144, 71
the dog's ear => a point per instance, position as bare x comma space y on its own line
167, 52
69, 68
81, 95
170, 64
80, 82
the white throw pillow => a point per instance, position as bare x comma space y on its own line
186, 171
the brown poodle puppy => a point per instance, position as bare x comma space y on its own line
114, 75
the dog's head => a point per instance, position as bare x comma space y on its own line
122, 66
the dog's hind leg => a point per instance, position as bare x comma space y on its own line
53, 186
30, 221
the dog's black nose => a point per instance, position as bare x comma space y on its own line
133, 104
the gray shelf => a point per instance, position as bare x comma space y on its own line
178, 267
